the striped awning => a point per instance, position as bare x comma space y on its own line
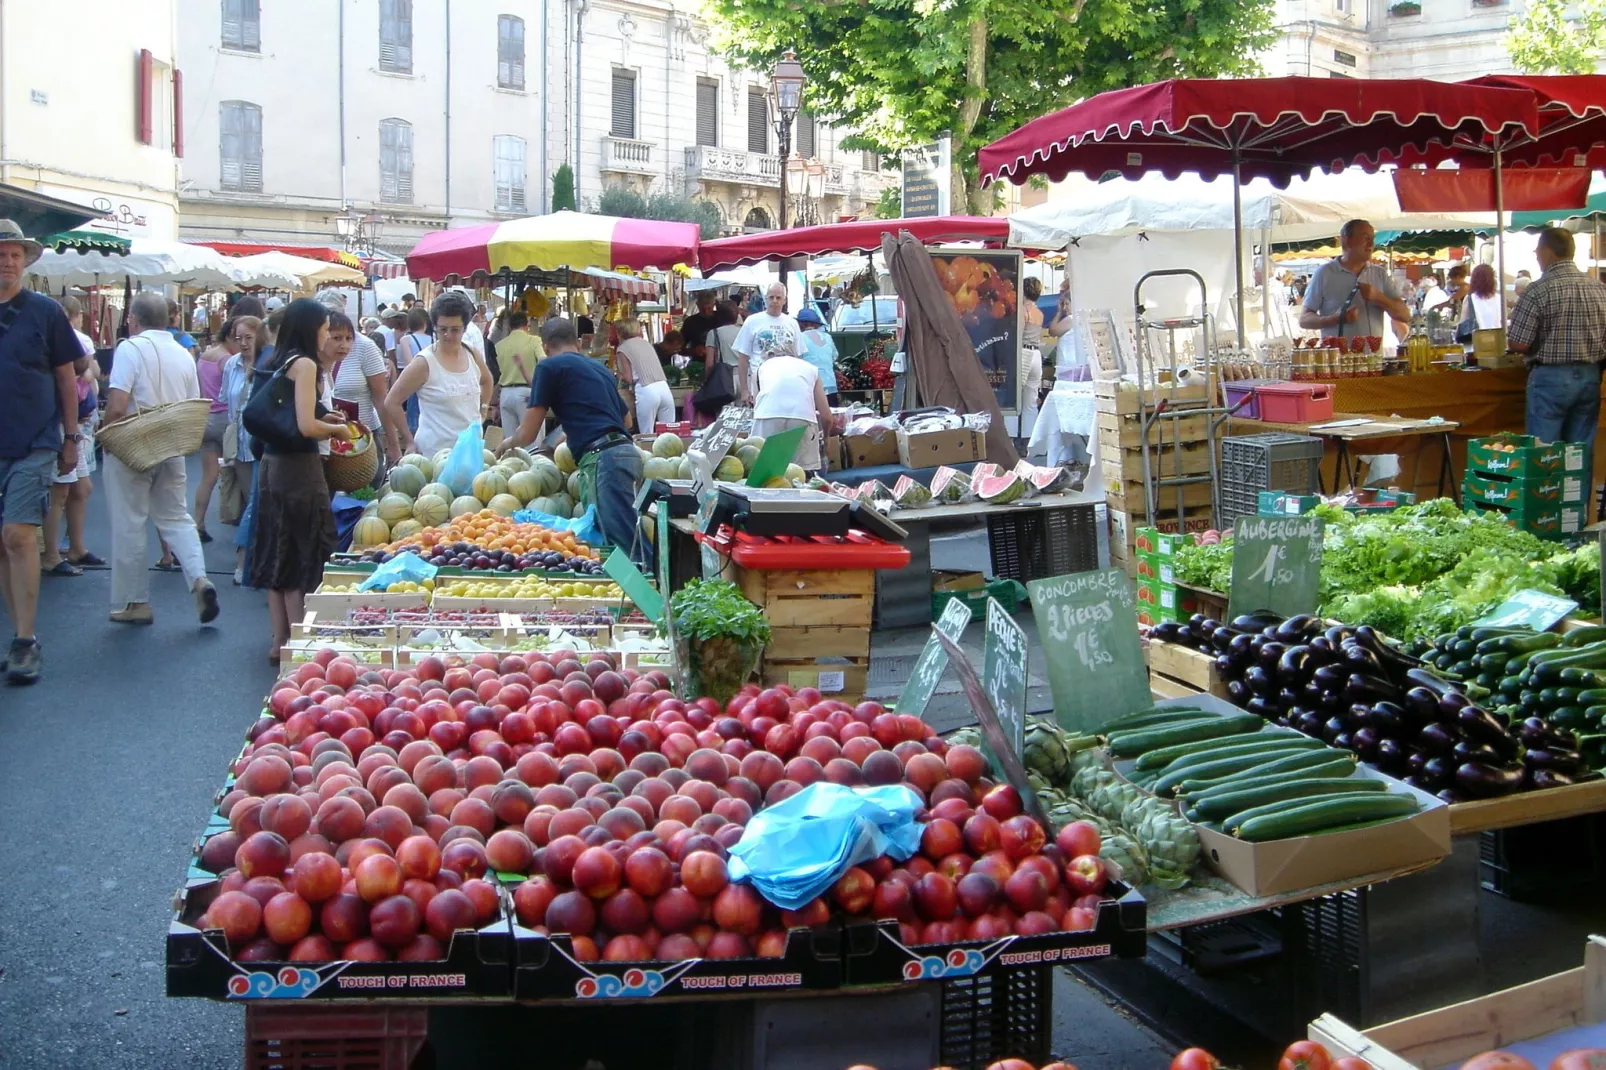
307, 252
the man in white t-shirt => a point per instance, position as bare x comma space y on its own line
765, 334
150, 368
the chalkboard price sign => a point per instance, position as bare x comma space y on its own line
1003, 672
1088, 625
933, 660
1004, 754
1276, 564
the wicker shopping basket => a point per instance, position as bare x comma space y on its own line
354, 470
146, 438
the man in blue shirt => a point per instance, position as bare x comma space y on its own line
38, 435
583, 394
1350, 296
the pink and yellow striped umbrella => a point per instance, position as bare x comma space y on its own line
553, 242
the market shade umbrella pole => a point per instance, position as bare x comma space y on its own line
552, 242
1273, 128
941, 356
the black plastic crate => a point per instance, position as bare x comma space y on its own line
1326, 939
1548, 861
1032, 543
1002, 1013
1275, 460
301, 1037
1221, 946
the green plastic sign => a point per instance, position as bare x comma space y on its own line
933, 660
1276, 564
1530, 609
1003, 672
661, 543
773, 457
629, 578
1088, 625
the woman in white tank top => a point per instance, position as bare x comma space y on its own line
451, 380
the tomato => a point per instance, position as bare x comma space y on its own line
1351, 1062
1195, 1059
1497, 1060
1580, 1059
1305, 1055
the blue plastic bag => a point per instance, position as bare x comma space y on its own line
795, 850
584, 526
466, 461
403, 567
347, 511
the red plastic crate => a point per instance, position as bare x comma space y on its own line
333, 1038
856, 549
1295, 403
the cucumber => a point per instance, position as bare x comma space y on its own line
1567, 717
1162, 758
1595, 696
1331, 812
1177, 772
1223, 804
1149, 718
1132, 744
1305, 764
1340, 766
1590, 633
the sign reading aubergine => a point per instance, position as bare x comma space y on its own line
984, 286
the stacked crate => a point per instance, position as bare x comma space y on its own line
1540, 488
1274, 461
1159, 597
819, 626
1177, 447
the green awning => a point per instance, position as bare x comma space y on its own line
1595, 205
85, 241
1400, 241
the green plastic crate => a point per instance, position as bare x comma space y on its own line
1527, 460
1009, 593
1547, 522
1539, 491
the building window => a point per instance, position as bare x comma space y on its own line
1338, 74
396, 161
869, 161
240, 146
624, 104
807, 138
242, 25
510, 52
1342, 6
758, 120
509, 172
707, 112
1342, 58
396, 36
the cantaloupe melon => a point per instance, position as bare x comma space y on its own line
466, 503
668, 444
369, 531
488, 484
795, 473
563, 458
573, 485
504, 505
431, 510
730, 470
514, 464
405, 479
490, 458
440, 490
551, 477
420, 462
524, 485
394, 507
544, 504
748, 455
405, 529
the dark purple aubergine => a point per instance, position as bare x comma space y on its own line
1391, 755
1562, 761
1269, 654
1334, 727
1238, 692
1291, 668
1479, 780
1415, 760
1450, 795
1420, 784
1471, 751
1260, 681
1552, 778
1438, 772
1387, 718
1310, 722
1421, 706
1287, 698
1366, 741
1263, 707
1344, 741
1438, 739
1359, 715
1330, 677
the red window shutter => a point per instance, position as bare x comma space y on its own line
178, 113
142, 97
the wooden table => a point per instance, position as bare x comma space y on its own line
1374, 428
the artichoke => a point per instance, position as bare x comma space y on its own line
1045, 752
1171, 843
1125, 852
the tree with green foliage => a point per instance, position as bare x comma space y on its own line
902, 72
890, 204
1542, 40
563, 189
628, 204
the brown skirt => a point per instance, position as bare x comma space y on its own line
294, 533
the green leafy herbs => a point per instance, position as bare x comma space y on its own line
362, 494
1424, 569
709, 609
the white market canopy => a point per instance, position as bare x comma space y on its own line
312, 273
149, 262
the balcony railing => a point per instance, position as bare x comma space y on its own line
627, 155
705, 163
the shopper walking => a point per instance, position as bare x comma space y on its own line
450, 379
1559, 326
408, 347
639, 365
38, 436
584, 396
767, 333
1031, 357
237, 456
150, 368
294, 527
209, 373
517, 353
819, 349
69, 496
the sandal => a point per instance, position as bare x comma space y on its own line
63, 568
89, 560
205, 535
168, 566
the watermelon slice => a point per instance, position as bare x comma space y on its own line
951, 486
850, 493
872, 489
910, 492
999, 490
985, 470
1047, 480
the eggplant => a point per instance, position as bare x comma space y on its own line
1287, 698
1220, 637
1359, 715
1270, 653
1366, 741
1263, 708
1386, 651
1330, 677
1387, 718
1392, 755
1240, 647
1438, 739
1226, 666
1561, 761
1364, 688
1238, 692
1291, 667
1334, 727
1338, 633
1260, 681
1311, 695
1361, 659
1552, 778
1439, 772
1479, 780
1415, 761
1536, 732
1420, 784
1166, 631
1334, 702
1477, 724
1421, 706
1309, 722
1434, 683
1450, 795
1298, 628
1255, 622
1344, 741
1470, 751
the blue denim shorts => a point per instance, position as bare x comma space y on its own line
25, 487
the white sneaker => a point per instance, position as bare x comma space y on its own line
239, 576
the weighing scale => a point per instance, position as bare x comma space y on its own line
794, 511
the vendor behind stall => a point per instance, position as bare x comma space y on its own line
584, 396
1349, 295
790, 395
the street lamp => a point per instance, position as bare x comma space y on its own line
786, 91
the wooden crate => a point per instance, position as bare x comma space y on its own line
1451, 1035
839, 678
1182, 670
1126, 432
1114, 396
299, 652
1124, 526
822, 642
336, 603
1128, 497
493, 605
337, 629
1192, 459
792, 598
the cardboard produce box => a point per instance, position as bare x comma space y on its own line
833, 454
928, 449
867, 450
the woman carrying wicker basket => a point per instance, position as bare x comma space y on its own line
153, 384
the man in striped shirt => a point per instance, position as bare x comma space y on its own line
1350, 296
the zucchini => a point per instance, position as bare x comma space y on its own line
1519, 644
1341, 766
1595, 696
1223, 804
1132, 744
1589, 633
1149, 718
1588, 679
1306, 764
1568, 717
1323, 814
1177, 772
1209, 750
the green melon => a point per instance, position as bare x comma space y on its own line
420, 462
795, 473
563, 458
514, 464
668, 444
504, 505
440, 490
730, 470
659, 468
370, 531
748, 455
431, 510
394, 507
525, 485
489, 484
551, 477
408, 480
573, 486
405, 529
466, 503
685, 470
545, 505
488, 456
562, 504
578, 511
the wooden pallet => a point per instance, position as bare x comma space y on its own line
1126, 432
793, 598
1182, 670
1193, 459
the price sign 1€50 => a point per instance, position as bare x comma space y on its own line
1276, 564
